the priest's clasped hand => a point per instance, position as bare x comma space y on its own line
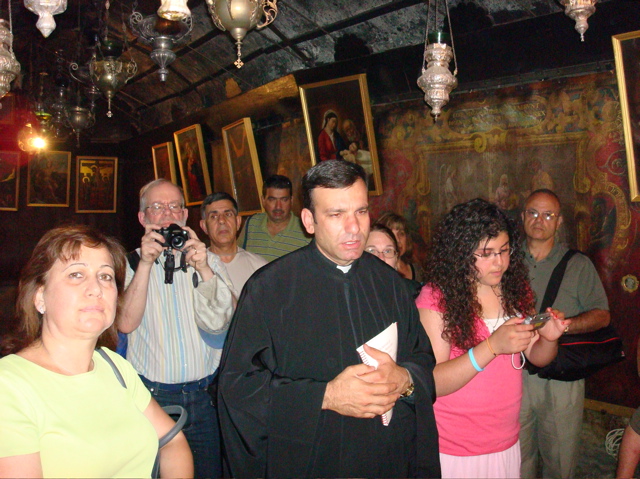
364, 391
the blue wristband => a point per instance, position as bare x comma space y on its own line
474, 363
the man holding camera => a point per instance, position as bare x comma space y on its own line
160, 308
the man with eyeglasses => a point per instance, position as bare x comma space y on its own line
165, 343
277, 231
220, 221
551, 412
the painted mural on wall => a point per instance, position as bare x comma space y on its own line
564, 135
500, 145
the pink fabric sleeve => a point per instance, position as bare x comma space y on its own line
429, 298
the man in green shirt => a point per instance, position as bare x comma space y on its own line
277, 231
551, 411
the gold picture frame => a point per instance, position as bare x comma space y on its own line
49, 179
352, 136
626, 49
96, 184
194, 170
164, 162
245, 176
9, 180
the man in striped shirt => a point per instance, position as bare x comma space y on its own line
165, 344
277, 231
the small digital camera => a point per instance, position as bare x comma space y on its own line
538, 320
174, 236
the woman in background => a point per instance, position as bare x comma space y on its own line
382, 243
400, 227
471, 306
63, 412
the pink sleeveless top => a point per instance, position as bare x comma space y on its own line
483, 416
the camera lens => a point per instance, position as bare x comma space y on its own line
178, 241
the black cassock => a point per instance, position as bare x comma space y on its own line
297, 326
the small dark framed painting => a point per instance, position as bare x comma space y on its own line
49, 179
244, 168
163, 162
9, 180
194, 170
96, 184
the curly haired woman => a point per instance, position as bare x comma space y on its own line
472, 307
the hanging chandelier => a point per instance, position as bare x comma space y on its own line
579, 11
79, 119
239, 16
50, 106
436, 80
82, 74
110, 72
46, 9
163, 35
9, 66
174, 10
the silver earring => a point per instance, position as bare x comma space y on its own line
41, 309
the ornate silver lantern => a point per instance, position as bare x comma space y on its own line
239, 16
436, 80
579, 11
163, 35
9, 66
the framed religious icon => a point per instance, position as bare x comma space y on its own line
626, 48
96, 184
244, 169
49, 179
9, 180
193, 164
339, 124
163, 162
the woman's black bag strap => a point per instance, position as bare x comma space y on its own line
170, 410
556, 280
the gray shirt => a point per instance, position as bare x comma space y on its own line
581, 289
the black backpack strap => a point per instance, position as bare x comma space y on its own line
134, 260
556, 280
246, 232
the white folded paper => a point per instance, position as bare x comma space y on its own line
386, 341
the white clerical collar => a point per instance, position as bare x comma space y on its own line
344, 269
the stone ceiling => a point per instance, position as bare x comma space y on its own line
306, 34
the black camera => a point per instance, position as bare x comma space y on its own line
174, 236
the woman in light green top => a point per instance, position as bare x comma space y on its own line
63, 412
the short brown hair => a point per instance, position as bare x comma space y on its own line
395, 221
62, 244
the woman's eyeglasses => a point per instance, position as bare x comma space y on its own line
386, 253
503, 253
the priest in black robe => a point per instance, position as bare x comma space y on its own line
295, 399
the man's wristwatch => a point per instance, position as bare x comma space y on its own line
409, 391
